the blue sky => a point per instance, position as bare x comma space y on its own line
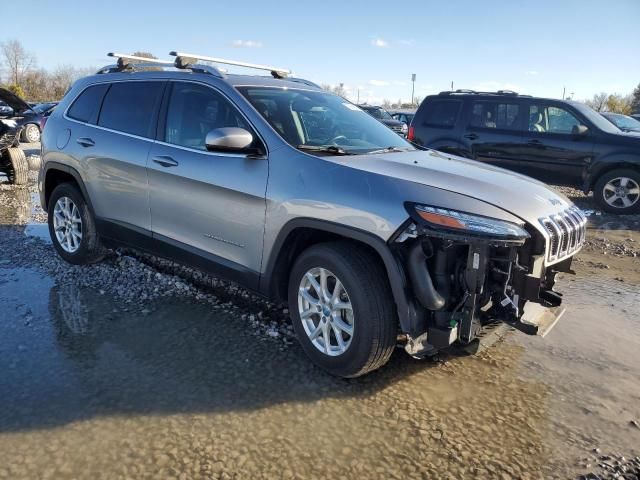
531, 47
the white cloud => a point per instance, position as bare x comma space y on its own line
378, 83
246, 44
407, 43
400, 84
531, 72
380, 43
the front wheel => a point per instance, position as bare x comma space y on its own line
18, 172
72, 227
342, 309
618, 191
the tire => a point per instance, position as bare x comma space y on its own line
81, 250
373, 317
30, 133
18, 173
618, 191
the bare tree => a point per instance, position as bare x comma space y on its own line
598, 102
17, 60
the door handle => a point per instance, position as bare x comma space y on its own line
471, 136
165, 161
86, 142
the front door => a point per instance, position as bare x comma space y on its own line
552, 150
210, 204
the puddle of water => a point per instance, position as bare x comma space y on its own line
187, 390
38, 230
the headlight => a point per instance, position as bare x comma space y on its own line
466, 223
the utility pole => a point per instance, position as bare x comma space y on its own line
413, 87
358, 102
452, 85
564, 89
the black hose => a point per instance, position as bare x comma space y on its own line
421, 281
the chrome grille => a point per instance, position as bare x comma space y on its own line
566, 231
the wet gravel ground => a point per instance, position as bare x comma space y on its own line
141, 368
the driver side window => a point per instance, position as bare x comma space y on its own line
193, 111
551, 119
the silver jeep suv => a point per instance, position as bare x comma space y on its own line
298, 194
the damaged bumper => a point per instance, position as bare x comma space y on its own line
463, 284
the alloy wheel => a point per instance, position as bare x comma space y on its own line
325, 311
67, 224
621, 192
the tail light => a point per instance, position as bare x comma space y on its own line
411, 134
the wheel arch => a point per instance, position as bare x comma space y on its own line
301, 233
56, 173
615, 163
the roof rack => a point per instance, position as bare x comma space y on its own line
129, 62
465, 91
186, 60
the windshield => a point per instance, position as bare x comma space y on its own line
623, 121
308, 119
595, 118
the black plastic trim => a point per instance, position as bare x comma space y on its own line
69, 170
397, 279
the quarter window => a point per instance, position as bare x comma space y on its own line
441, 113
129, 107
544, 118
194, 110
88, 102
501, 116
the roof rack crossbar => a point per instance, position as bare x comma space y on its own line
183, 60
124, 59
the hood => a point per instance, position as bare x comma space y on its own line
524, 197
14, 101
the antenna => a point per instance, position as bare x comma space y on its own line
183, 60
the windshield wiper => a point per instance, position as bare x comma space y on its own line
388, 150
332, 149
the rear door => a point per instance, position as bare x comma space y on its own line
551, 151
436, 125
494, 129
114, 155
211, 204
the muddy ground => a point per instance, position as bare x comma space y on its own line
136, 368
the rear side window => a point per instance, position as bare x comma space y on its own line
87, 104
130, 107
441, 113
501, 116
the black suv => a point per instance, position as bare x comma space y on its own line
557, 141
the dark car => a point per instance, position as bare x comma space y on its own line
385, 117
25, 115
557, 141
623, 122
404, 116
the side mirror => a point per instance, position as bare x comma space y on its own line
228, 139
580, 130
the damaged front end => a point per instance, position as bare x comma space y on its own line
468, 273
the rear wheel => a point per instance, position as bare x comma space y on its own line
342, 309
618, 191
72, 227
18, 170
